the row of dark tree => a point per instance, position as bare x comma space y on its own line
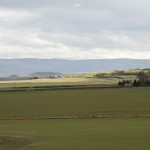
143, 80
134, 83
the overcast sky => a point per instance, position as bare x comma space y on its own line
75, 29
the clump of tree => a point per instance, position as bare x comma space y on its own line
102, 75
144, 78
123, 72
126, 83
136, 83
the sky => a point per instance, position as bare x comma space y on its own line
75, 29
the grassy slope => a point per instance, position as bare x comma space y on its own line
75, 103
75, 134
78, 134
72, 79
95, 134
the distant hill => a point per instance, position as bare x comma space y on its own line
28, 66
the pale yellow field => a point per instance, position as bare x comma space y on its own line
46, 80
57, 82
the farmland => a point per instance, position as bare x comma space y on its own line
89, 119
75, 103
108, 78
57, 82
82, 134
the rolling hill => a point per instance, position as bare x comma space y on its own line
28, 66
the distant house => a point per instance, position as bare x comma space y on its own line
52, 75
14, 76
126, 83
55, 76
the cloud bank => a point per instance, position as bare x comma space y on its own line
68, 29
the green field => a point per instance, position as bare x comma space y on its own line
90, 78
124, 102
83, 134
96, 119
80, 79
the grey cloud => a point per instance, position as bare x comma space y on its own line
54, 24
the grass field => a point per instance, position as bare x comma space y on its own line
75, 103
83, 134
53, 82
83, 79
111, 77
118, 119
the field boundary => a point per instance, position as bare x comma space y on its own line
65, 87
82, 117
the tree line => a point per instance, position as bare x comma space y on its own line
143, 80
